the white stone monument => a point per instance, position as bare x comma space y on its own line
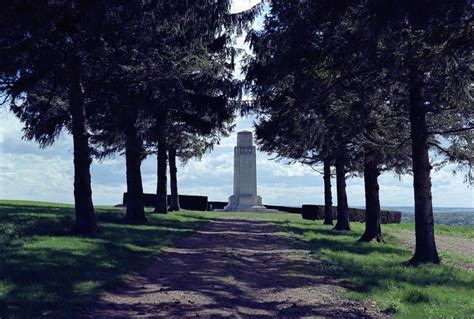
245, 198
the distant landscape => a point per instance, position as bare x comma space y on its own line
460, 216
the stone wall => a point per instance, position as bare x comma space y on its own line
211, 205
287, 209
314, 212
311, 212
191, 202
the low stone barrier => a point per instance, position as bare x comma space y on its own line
211, 205
287, 209
191, 202
310, 212
316, 212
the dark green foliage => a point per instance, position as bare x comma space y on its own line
47, 52
319, 101
124, 74
163, 83
357, 82
431, 45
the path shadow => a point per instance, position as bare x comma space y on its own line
236, 268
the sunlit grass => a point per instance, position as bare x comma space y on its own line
443, 230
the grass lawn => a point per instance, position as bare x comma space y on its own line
44, 270
443, 230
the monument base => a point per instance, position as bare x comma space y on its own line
246, 203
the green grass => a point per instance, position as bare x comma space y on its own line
47, 271
443, 230
376, 272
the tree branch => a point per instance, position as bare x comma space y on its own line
453, 131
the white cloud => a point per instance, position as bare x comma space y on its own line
283, 169
10, 127
29, 176
241, 5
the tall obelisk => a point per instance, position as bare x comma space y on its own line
245, 198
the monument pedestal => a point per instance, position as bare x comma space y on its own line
245, 198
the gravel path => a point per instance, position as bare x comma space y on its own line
232, 268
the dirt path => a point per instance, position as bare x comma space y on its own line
231, 268
454, 245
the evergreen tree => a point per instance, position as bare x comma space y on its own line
174, 204
431, 43
44, 53
328, 214
284, 78
363, 69
135, 68
202, 99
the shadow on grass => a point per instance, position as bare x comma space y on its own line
301, 228
371, 267
47, 271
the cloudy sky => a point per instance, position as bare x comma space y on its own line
28, 172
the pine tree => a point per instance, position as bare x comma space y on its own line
431, 43
45, 60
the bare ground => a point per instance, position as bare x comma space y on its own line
232, 268
453, 245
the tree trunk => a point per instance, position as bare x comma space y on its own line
85, 221
327, 193
135, 213
174, 205
425, 251
161, 206
342, 206
372, 202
